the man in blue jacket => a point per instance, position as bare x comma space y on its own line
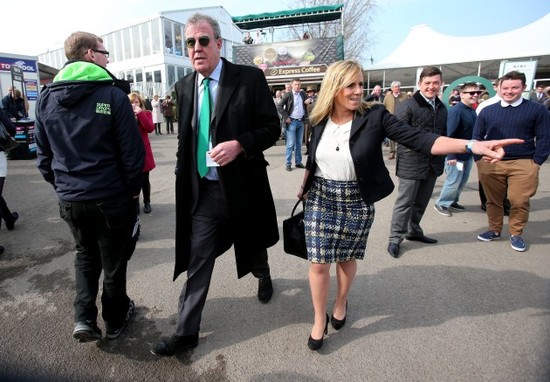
460, 124
90, 150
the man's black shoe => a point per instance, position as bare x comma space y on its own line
147, 208
288, 168
458, 207
422, 239
111, 332
10, 224
265, 289
393, 250
167, 347
299, 165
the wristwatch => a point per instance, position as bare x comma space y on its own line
469, 146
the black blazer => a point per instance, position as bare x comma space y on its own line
286, 104
366, 137
244, 110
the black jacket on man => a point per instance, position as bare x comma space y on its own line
286, 104
421, 116
88, 142
244, 110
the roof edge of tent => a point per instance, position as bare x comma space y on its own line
478, 53
293, 16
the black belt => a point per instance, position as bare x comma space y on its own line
297, 119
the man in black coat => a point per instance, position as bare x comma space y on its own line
223, 197
14, 106
417, 172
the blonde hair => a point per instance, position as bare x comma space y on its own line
338, 76
135, 95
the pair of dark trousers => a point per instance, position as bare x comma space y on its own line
210, 237
146, 188
413, 196
103, 235
5, 212
169, 124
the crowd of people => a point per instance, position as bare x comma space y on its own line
99, 164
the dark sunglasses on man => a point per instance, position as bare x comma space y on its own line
473, 93
203, 40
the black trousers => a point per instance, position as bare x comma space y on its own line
146, 188
157, 128
5, 212
169, 124
210, 237
103, 234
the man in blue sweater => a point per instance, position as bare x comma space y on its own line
518, 171
460, 124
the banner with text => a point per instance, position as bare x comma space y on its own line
289, 58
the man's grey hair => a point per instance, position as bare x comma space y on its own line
198, 17
395, 83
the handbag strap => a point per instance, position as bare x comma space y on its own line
296, 205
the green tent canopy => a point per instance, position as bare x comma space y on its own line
291, 17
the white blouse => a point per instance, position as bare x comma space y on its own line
333, 157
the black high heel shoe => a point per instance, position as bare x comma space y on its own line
339, 324
314, 344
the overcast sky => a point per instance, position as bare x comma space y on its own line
34, 26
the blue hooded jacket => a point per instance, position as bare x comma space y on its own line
88, 143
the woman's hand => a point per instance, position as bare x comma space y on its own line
492, 151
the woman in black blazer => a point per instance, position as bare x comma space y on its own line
345, 175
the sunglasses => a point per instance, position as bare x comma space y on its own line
203, 40
473, 93
104, 52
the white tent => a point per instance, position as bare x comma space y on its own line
461, 56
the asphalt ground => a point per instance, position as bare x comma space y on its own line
459, 310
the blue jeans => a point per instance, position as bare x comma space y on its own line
294, 137
455, 182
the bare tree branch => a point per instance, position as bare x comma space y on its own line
357, 18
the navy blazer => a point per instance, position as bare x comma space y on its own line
286, 104
365, 144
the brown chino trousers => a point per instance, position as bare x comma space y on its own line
521, 178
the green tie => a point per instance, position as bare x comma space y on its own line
204, 129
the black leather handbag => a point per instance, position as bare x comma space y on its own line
294, 236
7, 142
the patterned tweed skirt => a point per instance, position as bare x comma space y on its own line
337, 221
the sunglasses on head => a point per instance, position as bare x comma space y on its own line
203, 40
473, 93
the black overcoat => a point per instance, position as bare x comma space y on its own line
244, 110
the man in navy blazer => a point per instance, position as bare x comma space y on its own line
232, 203
293, 109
